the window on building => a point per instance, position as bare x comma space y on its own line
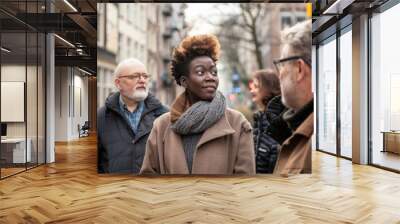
129, 48
101, 25
131, 12
286, 22
136, 51
290, 18
300, 18
142, 53
121, 10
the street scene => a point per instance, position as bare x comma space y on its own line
249, 35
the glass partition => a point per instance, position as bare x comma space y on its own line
385, 89
327, 96
346, 93
22, 88
13, 95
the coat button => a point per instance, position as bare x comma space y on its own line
133, 141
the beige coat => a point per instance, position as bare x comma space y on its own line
225, 148
295, 154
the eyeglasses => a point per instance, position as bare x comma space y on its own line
136, 76
279, 63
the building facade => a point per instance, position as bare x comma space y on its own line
148, 32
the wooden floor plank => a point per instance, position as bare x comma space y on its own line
71, 191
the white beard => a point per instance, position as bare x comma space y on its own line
138, 95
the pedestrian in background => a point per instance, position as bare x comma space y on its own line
269, 129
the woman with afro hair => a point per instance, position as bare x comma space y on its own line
200, 135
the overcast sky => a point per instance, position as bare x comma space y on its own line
197, 15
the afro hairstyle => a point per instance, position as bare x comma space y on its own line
190, 48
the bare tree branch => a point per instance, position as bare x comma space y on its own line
234, 37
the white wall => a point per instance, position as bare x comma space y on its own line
71, 87
17, 73
50, 96
79, 117
61, 103
33, 126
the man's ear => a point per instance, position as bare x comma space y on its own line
183, 82
116, 82
301, 70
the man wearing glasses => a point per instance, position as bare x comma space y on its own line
126, 119
294, 69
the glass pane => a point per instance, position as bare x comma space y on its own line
13, 86
346, 94
327, 97
41, 98
31, 97
314, 86
385, 89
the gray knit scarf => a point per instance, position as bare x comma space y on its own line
200, 116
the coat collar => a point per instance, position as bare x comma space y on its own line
295, 118
179, 106
307, 127
146, 122
150, 104
217, 130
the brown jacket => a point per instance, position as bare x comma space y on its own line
295, 154
225, 148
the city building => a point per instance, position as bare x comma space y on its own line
172, 31
148, 32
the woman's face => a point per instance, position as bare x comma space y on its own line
257, 93
202, 80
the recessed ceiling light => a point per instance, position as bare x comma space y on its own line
64, 40
70, 5
337, 7
86, 72
5, 50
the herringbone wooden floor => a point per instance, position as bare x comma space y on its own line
70, 191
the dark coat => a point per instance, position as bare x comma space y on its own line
270, 131
120, 150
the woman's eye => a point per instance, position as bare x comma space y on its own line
214, 73
199, 72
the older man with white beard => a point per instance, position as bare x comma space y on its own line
126, 119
